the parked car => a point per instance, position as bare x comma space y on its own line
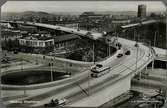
127, 52
119, 55
136, 45
56, 102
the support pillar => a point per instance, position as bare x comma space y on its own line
152, 65
146, 70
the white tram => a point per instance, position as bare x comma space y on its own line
99, 70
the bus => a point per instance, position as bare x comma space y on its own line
99, 70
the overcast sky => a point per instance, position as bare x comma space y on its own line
79, 6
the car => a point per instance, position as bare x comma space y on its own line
58, 28
15, 52
99, 65
119, 55
136, 45
119, 45
88, 33
127, 52
142, 105
56, 102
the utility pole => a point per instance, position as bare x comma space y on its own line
51, 72
137, 57
116, 40
155, 37
22, 72
94, 64
117, 37
134, 34
36, 60
109, 50
88, 84
93, 52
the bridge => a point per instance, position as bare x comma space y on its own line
161, 54
139, 24
85, 91
82, 33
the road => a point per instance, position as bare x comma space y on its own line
82, 33
78, 90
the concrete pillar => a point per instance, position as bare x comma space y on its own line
146, 70
152, 65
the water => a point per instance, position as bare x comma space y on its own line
30, 77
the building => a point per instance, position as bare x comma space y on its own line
65, 41
91, 15
33, 42
9, 39
37, 43
8, 34
30, 29
141, 11
90, 20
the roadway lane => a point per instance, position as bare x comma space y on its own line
93, 82
83, 33
124, 67
83, 75
91, 102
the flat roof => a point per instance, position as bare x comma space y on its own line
65, 37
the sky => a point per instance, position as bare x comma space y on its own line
80, 6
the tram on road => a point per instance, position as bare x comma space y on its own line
99, 70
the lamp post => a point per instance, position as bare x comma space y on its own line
109, 50
36, 59
93, 52
24, 91
51, 72
134, 34
155, 37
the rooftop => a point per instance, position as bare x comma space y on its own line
65, 37
38, 37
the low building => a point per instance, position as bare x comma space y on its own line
8, 34
37, 43
33, 42
90, 20
65, 41
9, 39
30, 29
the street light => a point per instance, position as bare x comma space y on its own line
24, 90
36, 60
93, 51
51, 72
108, 40
155, 37
94, 63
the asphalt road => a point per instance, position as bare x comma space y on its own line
77, 90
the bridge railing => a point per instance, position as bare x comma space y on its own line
152, 56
